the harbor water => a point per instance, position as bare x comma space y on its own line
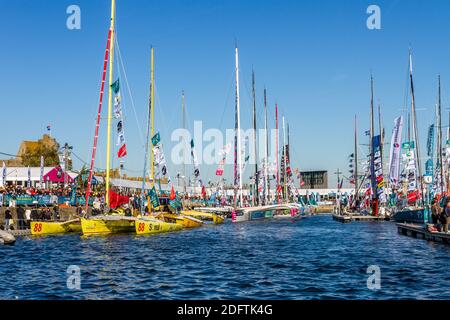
311, 258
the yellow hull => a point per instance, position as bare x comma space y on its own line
153, 226
106, 226
186, 222
216, 219
48, 227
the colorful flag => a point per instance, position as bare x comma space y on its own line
29, 178
172, 194
41, 177
122, 151
116, 86
4, 174
154, 198
156, 139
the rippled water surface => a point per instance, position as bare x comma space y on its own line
313, 258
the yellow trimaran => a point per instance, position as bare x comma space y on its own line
164, 222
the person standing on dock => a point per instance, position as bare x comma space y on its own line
8, 217
435, 211
445, 215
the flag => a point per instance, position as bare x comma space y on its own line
4, 174
41, 177
367, 133
203, 192
120, 139
116, 86
49, 128
122, 151
156, 139
116, 200
172, 194
154, 198
120, 127
29, 178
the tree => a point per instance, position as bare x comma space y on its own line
32, 157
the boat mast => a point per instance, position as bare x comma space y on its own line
440, 156
152, 116
254, 141
266, 151
415, 130
285, 161
183, 111
147, 146
380, 129
110, 99
372, 129
276, 149
356, 159
238, 123
97, 124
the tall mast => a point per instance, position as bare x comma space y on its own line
276, 150
110, 99
152, 114
254, 140
147, 145
183, 111
356, 158
238, 123
372, 129
285, 161
97, 124
380, 129
439, 146
266, 152
415, 130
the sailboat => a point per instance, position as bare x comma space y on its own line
146, 224
203, 216
257, 212
40, 228
116, 222
418, 213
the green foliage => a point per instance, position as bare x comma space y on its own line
32, 157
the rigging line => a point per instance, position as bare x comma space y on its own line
227, 99
129, 91
10, 155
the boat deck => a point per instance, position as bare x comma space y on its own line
420, 232
352, 218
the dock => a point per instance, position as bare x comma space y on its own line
360, 218
420, 232
20, 233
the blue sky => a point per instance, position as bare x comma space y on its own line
314, 57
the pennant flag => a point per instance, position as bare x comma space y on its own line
156, 139
172, 194
122, 151
203, 192
120, 139
29, 178
116, 86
